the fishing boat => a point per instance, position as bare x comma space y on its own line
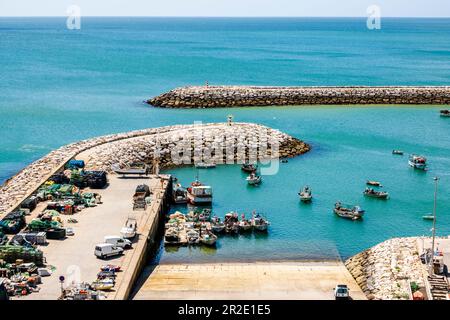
208, 238
193, 237
259, 223
373, 183
199, 194
369, 192
231, 222
179, 194
217, 225
397, 152
249, 167
445, 113
253, 179
348, 211
136, 168
305, 194
245, 224
417, 162
205, 215
192, 216
205, 165
171, 236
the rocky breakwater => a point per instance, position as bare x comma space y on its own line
240, 96
188, 144
140, 145
385, 270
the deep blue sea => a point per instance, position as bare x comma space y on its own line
58, 86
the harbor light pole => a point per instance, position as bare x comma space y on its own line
436, 179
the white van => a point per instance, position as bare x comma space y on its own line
118, 241
104, 250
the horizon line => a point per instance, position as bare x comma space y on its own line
228, 17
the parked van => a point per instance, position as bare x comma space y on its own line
118, 241
104, 250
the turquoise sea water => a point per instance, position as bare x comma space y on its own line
59, 86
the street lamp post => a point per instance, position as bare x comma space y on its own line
436, 179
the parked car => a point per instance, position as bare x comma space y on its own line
341, 292
104, 250
118, 241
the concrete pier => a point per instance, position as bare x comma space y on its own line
74, 257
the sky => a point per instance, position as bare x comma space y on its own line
227, 8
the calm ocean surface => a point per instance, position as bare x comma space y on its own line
58, 86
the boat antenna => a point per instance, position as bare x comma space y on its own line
436, 179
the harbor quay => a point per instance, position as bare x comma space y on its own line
74, 257
241, 96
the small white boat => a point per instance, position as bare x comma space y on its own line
397, 152
305, 194
259, 223
205, 165
130, 228
417, 162
253, 179
208, 239
245, 224
217, 226
373, 183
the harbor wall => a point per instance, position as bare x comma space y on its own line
140, 145
385, 271
240, 96
137, 260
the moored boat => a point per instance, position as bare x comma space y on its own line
253, 179
205, 215
231, 222
245, 224
193, 237
369, 192
259, 223
348, 211
171, 236
205, 165
217, 225
397, 152
417, 162
428, 217
305, 194
179, 194
249, 167
373, 183
208, 238
199, 194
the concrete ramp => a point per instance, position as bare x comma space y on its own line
240, 281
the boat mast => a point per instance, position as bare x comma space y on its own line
436, 179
